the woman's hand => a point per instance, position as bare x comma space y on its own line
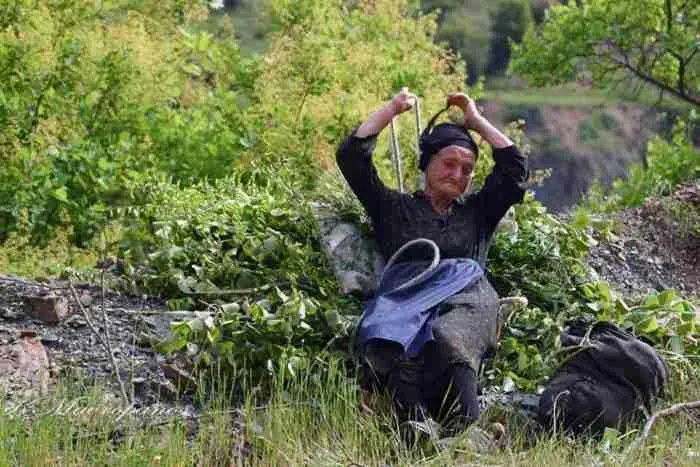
472, 117
403, 101
376, 122
473, 120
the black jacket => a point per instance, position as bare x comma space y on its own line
465, 232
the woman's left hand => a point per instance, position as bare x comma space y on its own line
472, 116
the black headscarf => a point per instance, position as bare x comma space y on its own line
432, 140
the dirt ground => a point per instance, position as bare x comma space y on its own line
651, 248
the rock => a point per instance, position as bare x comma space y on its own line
632, 243
8, 313
50, 339
139, 383
75, 321
46, 308
179, 377
24, 364
165, 390
86, 299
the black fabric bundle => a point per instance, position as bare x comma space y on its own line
604, 383
432, 140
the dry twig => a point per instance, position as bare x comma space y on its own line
104, 340
675, 408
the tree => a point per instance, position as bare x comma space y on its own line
329, 65
469, 34
608, 41
509, 21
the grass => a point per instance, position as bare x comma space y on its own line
309, 420
512, 91
557, 96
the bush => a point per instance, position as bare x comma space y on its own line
668, 163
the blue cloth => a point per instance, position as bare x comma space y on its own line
405, 316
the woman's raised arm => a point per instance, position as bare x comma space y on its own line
379, 120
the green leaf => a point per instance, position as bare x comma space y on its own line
666, 297
652, 301
214, 335
61, 194
648, 325
205, 358
676, 344
192, 69
523, 361
611, 436
689, 317
687, 329
171, 345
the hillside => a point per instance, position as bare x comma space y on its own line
579, 143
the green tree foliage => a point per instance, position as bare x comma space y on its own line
604, 42
329, 66
468, 33
510, 19
668, 164
96, 98
481, 31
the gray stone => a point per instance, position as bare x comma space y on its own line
178, 376
50, 339
46, 308
86, 299
75, 321
10, 314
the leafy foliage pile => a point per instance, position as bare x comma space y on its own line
545, 262
247, 253
96, 100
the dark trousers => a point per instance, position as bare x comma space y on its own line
428, 382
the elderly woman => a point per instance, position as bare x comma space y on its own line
426, 342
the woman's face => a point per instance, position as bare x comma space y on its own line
449, 172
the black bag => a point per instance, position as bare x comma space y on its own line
605, 383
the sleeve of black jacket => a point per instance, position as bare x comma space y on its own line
504, 186
354, 157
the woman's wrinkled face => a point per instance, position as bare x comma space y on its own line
449, 172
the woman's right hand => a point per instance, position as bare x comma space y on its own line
403, 101
379, 120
